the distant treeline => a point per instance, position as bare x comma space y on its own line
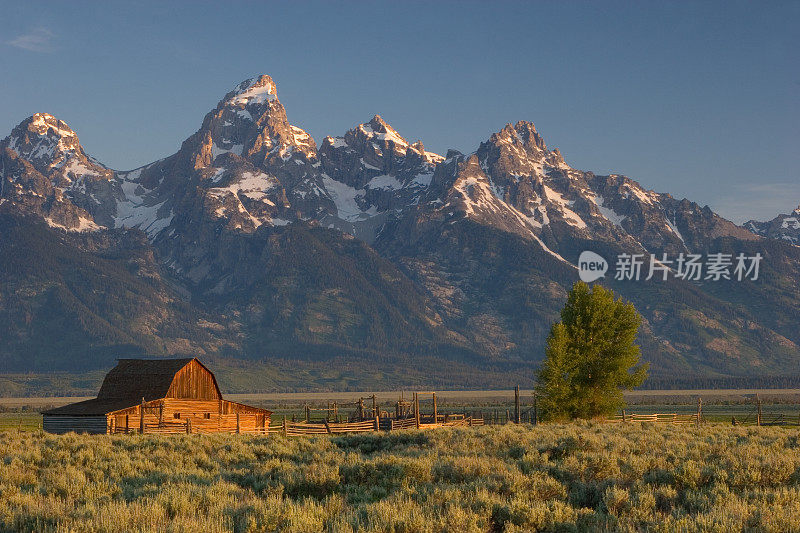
729, 382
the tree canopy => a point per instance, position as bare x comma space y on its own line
591, 356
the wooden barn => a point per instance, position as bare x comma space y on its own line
158, 396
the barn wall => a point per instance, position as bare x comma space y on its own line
204, 416
78, 424
194, 381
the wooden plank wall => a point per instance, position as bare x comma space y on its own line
78, 424
171, 415
194, 381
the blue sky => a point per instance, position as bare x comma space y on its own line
701, 100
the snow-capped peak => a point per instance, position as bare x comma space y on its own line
44, 123
379, 129
256, 90
49, 144
44, 134
380, 132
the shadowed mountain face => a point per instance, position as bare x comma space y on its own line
252, 243
782, 227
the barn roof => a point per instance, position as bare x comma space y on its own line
141, 378
93, 407
126, 384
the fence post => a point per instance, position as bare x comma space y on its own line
237, 422
377, 423
188, 426
416, 409
758, 417
699, 410
308, 413
285, 430
535, 410
516, 405
623, 415
141, 417
435, 410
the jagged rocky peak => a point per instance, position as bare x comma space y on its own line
517, 150
49, 144
522, 132
376, 139
378, 130
250, 122
44, 171
374, 150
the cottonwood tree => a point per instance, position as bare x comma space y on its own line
591, 356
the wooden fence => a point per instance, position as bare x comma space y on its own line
296, 429
187, 427
657, 418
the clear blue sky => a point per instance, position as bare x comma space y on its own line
701, 100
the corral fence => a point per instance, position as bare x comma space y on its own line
368, 416
296, 429
754, 413
657, 418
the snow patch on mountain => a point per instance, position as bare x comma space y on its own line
345, 198
570, 216
84, 225
790, 223
671, 225
422, 180
644, 196
254, 185
218, 150
254, 91
611, 215
139, 209
384, 181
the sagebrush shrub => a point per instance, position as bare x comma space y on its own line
571, 477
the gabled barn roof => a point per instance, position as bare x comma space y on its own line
93, 407
127, 383
141, 378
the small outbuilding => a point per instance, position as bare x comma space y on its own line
158, 396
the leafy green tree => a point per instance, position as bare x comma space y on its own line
591, 356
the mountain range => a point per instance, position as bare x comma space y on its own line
367, 260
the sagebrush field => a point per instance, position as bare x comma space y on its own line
575, 477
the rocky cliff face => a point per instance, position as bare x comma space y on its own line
468, 256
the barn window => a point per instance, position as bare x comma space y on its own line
207, 415
176, 415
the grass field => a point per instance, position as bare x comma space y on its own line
576, 477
